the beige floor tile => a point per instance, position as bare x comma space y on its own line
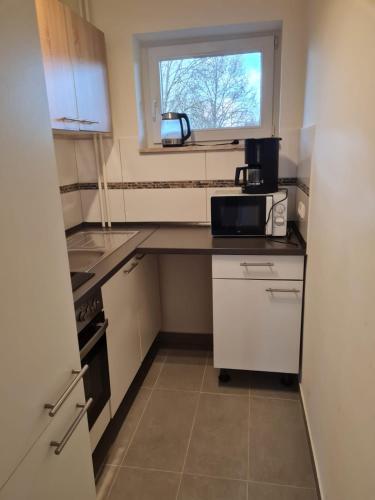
138, 484
278, 448
154, 372
162, 436
218, 444
259, 491
269, 385
204, 488
239, 382
104, 484
183, 369
119, 447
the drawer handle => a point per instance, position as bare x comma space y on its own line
283, 290
54, 408
257, 264
61, 445
133, 266
88, 122
68, 119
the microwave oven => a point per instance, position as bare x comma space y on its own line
234, 213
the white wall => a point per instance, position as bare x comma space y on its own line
120, 20
339, 341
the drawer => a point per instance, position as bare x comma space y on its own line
267, 267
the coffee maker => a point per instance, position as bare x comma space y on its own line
261, 170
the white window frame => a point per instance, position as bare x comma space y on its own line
264, 44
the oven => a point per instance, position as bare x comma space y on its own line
92, 327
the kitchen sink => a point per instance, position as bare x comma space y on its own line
87, 248
84, 259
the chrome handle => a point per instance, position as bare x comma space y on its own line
61, 445
54, 408
88, 122
283, 290
140, 256
94, 340
257, 264
68, 119
133, 266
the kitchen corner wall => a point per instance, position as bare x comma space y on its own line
177, 187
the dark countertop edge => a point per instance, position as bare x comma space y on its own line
111, 264
106, 268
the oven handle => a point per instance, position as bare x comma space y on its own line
94, 340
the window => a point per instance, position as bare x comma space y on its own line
226, 87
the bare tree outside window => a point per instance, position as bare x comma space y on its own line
216, 92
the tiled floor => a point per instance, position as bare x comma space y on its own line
187, 437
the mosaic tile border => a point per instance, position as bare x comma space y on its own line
303, 187
215, 183
69, 188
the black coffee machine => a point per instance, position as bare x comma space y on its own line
261, 169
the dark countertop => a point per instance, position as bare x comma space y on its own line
182, 239
111, 264
198, 240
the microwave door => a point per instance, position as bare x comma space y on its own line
238, 216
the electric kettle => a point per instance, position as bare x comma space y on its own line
172, 129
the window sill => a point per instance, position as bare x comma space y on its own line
191, 149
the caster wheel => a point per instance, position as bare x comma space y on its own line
287, 380
224, 376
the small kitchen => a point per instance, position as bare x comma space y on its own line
176, 321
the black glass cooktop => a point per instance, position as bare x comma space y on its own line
79, 279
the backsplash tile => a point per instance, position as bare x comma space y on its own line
165, 205
144, 168
72, 208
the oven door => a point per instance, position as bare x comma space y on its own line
238, 215
93, 352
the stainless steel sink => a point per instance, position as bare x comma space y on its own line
87, 248
80, 260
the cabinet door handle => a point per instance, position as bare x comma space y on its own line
133, 266
61, 445
283, 290
257, 264
68, 119
88, 122
54, 408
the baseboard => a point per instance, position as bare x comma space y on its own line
311, 446
185, 340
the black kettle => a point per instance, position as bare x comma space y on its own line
172, 129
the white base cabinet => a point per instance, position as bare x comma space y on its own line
132, 305
257, 322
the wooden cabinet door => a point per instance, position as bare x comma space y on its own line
256, 328
43, 475
57, 65
123, 343
87, 49
148, 301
